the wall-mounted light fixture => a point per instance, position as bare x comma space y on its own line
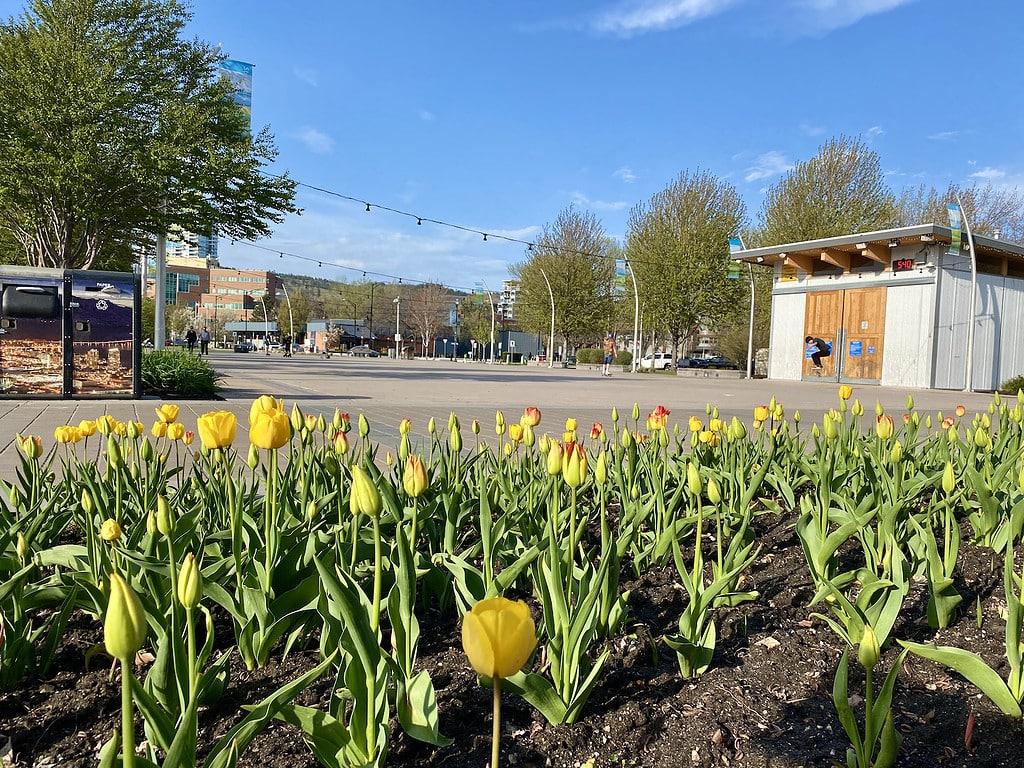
861, 246
760, 259
894, 243
926, 238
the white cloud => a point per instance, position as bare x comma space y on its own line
944, 135
819, 17
873, 131
625, 174
989, 174
307, 76
635, 17
583, 201
316, 141
426, 115
810, 129
767, 165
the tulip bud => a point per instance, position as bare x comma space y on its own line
529, 437
714, 491
636, 411
164, 518
124, 626
981, 438
499, 423
365, 498
113, 452
432, 426
554, 458
298, 420
601, 468
857, 409
896, 452
574, 465
953, 435
87, 505
815, 432
831, 430
884, 427
311, 510
910, 402
627, 438
475, 426
190, 583
364, 426
253, 458
948, 479
310, 423
404, 449
796, 417
453, 421
455, 440
868, 651
151, 522
615, 415
21, 547
414, 480
341, 444
693, 481
508, 449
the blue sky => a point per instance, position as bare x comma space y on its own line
498, 115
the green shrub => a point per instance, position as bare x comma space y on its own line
589, 356
1011, 386
624, 357
174, 372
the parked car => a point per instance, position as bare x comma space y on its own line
244, 346
363, 351
689, 362
659, 361
722, 363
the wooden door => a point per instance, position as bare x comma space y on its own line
864, 334
823, 319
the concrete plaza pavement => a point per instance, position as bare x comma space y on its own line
387, 390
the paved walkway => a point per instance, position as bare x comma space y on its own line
387, 391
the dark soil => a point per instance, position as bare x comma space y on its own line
766, 700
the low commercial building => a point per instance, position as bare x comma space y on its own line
896, 308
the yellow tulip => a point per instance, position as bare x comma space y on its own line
110, 530
217, 429
365, 498
175, 431
31, 446
167, 413
531, 416
845, 392
761, 413
88, 427
884, 427
515, 433
124, 626
264, 403
498, 636
159, 429
695, 424
340, 444
270, 430
405, 426
105, 424
414, 480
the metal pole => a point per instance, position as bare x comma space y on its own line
969, 376
490, 300
750, 331
266, 324
160, 293
398, 327
291, 325
636, 318
551, 340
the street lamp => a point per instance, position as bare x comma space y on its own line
291, 325
266, 325
551, 341
445, 347
398, 327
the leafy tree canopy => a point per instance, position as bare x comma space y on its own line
575, 256
989, 209
116, 129
678, 247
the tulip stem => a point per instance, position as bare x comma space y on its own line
375, 618
127, 718
496, 727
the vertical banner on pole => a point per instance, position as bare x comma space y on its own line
619, 286
735, 246
239, 74
954, 225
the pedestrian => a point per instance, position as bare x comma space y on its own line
287, 346
818, 348
204, 341
609, 354
190, 340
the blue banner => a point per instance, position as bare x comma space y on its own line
954, 225
239, 74
620, 277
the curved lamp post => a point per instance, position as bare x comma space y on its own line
551, 339
398, 327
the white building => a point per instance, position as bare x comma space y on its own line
507, 301
896, 307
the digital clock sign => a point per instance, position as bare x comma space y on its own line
903, 265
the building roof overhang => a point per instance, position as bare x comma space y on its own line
859, 249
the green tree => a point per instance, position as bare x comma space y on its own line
678, 247
989, 209
839, 191
577, 259
115, 128
425, 311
